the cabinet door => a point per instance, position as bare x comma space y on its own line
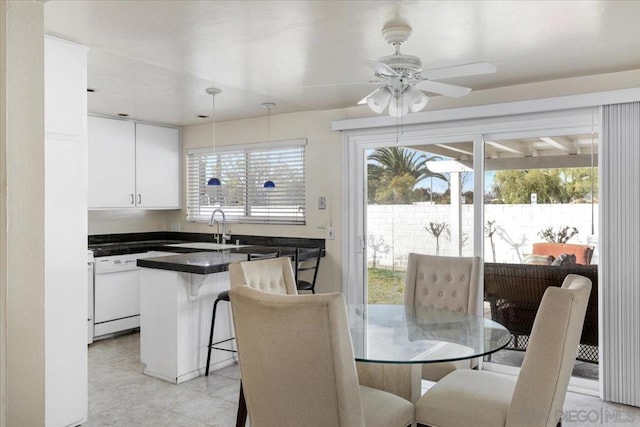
111, 163
65, 96
157, 167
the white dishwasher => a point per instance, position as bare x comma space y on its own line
116, 294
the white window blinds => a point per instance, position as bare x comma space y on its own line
243, 170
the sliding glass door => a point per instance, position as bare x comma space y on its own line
419, 199
493, 188
540, 224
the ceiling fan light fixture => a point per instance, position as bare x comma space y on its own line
415, 99
399, 73
379, 99
397, 107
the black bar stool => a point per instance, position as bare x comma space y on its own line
224, 296
307, 259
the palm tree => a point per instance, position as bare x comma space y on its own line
388, 163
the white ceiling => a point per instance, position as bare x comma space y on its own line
154, 59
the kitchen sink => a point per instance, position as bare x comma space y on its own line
205, 245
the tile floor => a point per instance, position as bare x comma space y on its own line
120, 395
589, 371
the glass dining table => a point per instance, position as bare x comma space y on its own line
410, 336
414, 335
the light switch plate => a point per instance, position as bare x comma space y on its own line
322, 203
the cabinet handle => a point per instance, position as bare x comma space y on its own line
132, 199
139, 199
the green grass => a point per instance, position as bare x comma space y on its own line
385, 286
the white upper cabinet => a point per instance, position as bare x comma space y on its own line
157, 167
65, 82
133, 165
112, 163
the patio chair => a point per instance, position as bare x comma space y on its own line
514, 292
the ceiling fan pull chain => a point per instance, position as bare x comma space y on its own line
397, 131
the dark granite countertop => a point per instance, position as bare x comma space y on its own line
130, 243
194, 260
197, 262
208, 262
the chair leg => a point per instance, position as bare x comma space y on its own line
241, 417
213, 322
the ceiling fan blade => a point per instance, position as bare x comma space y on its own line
364, 100
444, 88
381, 68
342, 84
475, 69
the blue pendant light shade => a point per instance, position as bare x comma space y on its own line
213, 181
269, 185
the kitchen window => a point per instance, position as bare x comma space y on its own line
243, 171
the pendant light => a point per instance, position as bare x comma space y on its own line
213, 181
268, 184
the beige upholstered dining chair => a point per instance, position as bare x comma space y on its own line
486, 399
452, 283
270, 275
262, 271
297, 364
445, 282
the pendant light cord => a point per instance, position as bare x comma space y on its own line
213, 92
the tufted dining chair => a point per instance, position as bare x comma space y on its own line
262, 271
297, 364
535, 399
270, 275
452, 283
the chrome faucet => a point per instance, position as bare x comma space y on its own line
212, 220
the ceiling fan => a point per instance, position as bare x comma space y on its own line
403, 82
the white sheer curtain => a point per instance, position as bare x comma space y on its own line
620, 253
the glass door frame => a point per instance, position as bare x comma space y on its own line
354, 247
356, 142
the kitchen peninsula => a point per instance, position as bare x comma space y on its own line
176, 298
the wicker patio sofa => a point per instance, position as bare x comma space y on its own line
514, 292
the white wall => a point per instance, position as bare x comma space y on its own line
22, 194
126, 221
403, 228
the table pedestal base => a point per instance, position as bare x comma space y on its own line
404, 380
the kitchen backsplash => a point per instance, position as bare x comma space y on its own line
124, 221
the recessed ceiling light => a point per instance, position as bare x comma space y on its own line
202, 116
123, 114
90, 90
